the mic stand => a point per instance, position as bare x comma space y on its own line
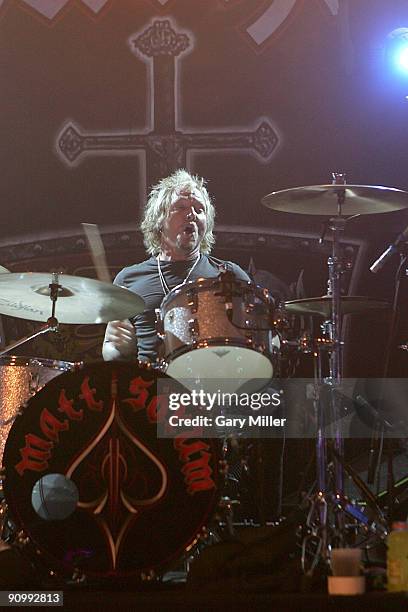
378, 433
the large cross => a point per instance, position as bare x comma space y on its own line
166, 146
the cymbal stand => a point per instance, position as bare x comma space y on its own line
50, 326
326, 520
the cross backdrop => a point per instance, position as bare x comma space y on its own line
101, 98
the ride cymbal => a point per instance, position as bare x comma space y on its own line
80, 300
322, 306
322, 200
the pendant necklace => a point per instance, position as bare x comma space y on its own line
165, 287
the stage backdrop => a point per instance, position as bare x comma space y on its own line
100, 98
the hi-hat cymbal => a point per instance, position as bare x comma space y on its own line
322, 306
322, 200
80, 300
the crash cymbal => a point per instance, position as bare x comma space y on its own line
322, 306
3, 270
80, 300
322, 200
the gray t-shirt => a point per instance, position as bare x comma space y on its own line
143, 279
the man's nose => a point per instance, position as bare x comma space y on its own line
191, 213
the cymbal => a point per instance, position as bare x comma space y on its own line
322, 200
80, 300
322, 306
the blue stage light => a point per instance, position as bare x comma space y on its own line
402, 58
397, 50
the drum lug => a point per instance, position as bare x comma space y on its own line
159, 324
194, 328
192, 300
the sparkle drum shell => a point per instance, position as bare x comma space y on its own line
20, 379
210, 333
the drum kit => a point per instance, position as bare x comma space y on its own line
87, 484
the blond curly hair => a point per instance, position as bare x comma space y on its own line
158, 204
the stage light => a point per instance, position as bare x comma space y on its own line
397, 51
403, 58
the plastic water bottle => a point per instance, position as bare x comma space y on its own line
397, 557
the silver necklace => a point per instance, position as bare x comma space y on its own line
165, 287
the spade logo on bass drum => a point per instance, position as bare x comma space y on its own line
92, 485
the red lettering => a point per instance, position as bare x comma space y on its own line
51, 426
157, 409
88, 395
34, 454
67, 406
138, 387
187, 448
197, 472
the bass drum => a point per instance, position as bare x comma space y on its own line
91, 484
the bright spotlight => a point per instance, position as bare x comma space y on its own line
402, 58
397, 49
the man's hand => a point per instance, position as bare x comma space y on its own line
120, 341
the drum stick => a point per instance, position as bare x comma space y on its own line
97, 251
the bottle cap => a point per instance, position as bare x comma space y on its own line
399, 526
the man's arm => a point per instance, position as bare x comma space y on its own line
240, 274
120, 341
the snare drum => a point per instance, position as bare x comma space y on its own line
20, 379
213, 331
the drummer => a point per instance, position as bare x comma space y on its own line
177, 227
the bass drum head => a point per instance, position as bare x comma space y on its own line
141, 501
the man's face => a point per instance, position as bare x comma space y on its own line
186, 222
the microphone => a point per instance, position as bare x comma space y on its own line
389, 251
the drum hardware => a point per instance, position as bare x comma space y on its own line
303, 344
326, 519
194, 329
377, 439
80, 301
192, 301
50, 326
218, 344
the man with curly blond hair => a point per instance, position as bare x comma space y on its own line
177, 227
